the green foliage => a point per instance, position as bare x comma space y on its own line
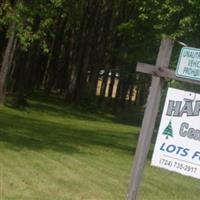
5, 14
117, 34
57, 3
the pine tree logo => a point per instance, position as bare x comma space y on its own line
168, 130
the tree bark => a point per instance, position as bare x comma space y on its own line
84, 53
50, 73
6, 61
3, 41
111, 86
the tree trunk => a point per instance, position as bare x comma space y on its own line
84, 53
117, 98
51, 69
111, 86
10, 48
124, 91
130, 93
104, 82
93, 81
3, 41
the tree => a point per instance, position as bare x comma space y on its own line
9, 50
60, 46
168, 130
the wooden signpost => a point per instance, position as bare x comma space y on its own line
152, 107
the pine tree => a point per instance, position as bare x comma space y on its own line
168, 130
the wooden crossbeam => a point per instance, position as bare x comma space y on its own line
162, 72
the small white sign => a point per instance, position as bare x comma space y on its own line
189, 63
177, 146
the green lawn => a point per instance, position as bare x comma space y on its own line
51, 152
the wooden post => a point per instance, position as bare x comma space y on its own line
149, 119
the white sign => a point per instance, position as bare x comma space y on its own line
177, 146
189, 63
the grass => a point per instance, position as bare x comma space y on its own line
53, 152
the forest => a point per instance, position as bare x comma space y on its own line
72, 101
85, 52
